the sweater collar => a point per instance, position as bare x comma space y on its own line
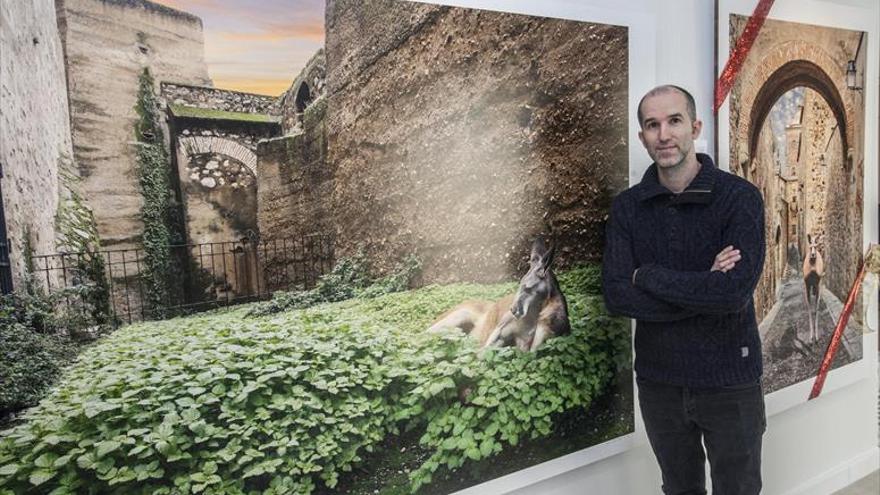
698, 191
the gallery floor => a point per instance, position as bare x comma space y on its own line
869, 485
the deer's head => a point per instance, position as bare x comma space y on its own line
536, 285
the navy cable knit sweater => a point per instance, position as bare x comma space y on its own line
694, 327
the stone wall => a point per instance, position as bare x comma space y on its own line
218, 99
292, 200
764, 176
459, 135
34, 124
108, 44
295, 183
842, 209
817, 130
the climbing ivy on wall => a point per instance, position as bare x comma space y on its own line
158, 211
77, 233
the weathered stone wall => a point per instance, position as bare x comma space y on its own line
108, 45
459, 135
295, 183
34, 124
843, 215
764, 176
818, 129
218, 99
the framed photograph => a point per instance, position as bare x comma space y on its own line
800, 124
488, 124
443, 173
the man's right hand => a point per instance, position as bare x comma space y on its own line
726, 260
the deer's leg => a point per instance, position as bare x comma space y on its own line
542, 333
502, 331
818, 300
463, 318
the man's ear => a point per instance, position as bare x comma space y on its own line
642, 138
698, 128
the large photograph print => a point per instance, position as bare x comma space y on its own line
425, 206
796, 130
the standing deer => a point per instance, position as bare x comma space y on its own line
536, 312
813, 270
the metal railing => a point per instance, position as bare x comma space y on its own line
203, 276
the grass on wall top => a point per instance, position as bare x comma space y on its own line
211, 114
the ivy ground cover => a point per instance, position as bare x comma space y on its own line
293, 402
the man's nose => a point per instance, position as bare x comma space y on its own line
664, 132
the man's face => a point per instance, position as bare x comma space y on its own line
668, 132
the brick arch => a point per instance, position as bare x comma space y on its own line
787, 65
197, 145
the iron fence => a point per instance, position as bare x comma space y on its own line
5, 264
202, 276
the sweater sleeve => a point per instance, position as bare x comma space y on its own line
618, 264
709, 292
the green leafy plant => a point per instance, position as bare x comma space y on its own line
28, 307
30, 363
349, 278
288, 403
159, 211
78, 236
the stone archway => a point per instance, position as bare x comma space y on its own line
218, 188
797, 73
303, 97
199, 145
787, 65
218, 184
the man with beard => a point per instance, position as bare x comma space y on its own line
684, 252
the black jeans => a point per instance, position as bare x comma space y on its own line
729, 420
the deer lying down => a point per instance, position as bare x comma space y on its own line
536, 312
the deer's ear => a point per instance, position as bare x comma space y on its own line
539, 249
547, 259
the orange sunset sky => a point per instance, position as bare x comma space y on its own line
257, 46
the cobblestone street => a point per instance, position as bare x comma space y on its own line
789, 355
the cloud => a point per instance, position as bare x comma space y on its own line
313, 31
257, 47
270, 87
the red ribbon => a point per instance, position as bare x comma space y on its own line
838, 333
740, 52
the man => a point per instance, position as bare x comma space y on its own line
684, 251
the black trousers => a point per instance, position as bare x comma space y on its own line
729, 420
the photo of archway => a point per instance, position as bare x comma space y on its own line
796, 131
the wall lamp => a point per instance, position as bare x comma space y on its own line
852, 76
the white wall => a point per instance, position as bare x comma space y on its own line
810, 448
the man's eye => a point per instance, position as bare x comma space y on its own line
675, 120
652, 125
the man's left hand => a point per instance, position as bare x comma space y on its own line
726, 260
